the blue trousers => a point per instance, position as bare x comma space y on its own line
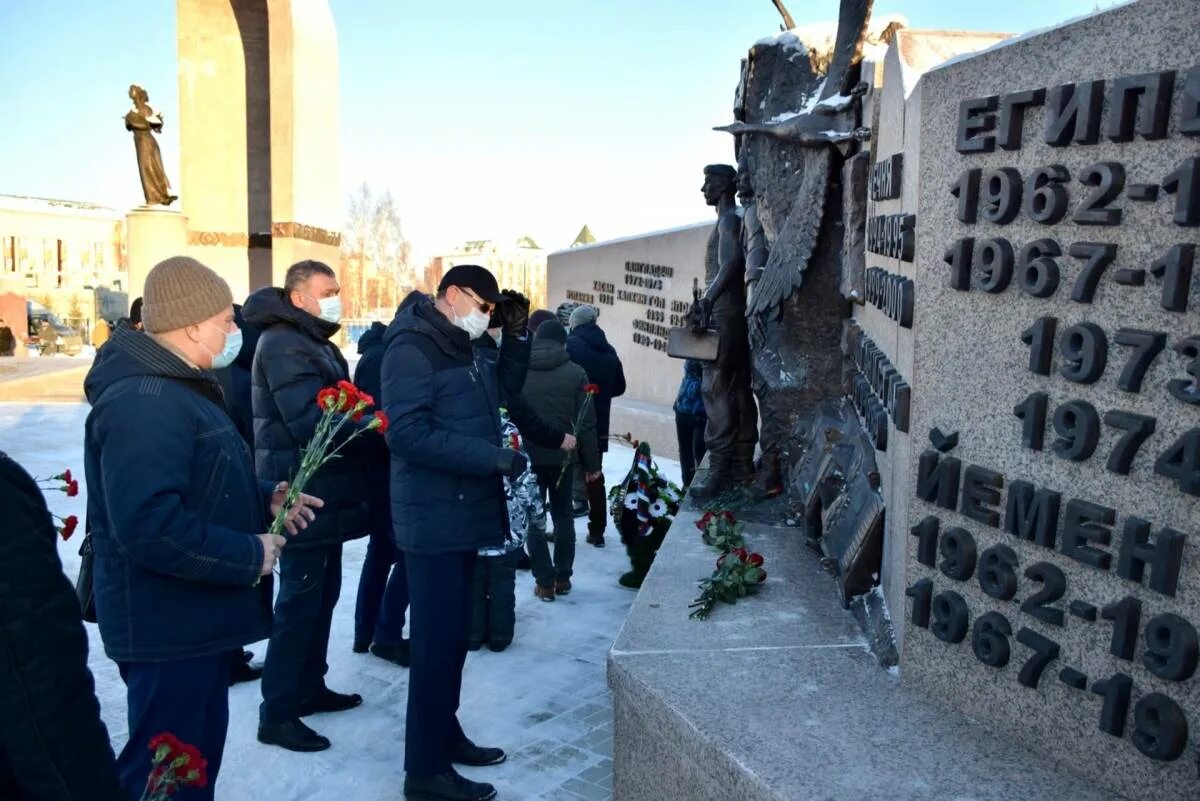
310, 581
382, 593
185, 697
439, 619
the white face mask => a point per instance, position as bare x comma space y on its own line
331, 309
475, 323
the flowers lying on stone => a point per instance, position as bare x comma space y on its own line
175, 764
739, 573
721, 530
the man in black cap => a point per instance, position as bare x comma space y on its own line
447, 497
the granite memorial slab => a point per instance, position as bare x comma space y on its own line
1053, 563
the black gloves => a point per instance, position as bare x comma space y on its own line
510, 463
514, 314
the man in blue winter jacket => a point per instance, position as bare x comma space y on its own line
448, 501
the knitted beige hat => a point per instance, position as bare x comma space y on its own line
181, 291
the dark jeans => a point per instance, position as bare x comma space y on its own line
310, 580
185, 697
546, 571
689, 429
593, 494
382, 593
439, 619
494, 599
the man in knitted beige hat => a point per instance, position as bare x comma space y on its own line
177, 517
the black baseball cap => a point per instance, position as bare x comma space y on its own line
475, 278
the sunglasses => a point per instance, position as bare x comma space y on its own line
484, 306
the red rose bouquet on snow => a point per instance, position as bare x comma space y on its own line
589, 391
340, 404
175, 764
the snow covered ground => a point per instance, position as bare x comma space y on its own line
545, 699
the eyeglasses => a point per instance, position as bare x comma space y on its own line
484, 306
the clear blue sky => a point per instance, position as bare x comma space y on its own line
483, 118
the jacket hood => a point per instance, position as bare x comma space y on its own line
270, 306
135, 353
591, 334
418, 315
372, 337
245, 357
546, 354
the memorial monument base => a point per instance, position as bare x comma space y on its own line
154, 233
779, 697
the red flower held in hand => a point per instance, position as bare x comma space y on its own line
380, 423
327, 399
70, 523
65, 477
72, 489
591, 389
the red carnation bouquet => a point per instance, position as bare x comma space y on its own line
590, 391
65, 483
175, 764
339, 405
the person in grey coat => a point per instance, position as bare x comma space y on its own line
555, 387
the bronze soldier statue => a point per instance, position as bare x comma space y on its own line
732, 418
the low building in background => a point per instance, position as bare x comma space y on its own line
642, 286
520, 266
68, 256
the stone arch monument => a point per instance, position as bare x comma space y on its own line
258, 122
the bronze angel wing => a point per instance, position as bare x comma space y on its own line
793, 247
847, 50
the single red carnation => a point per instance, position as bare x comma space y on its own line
366, 399
70, 523
755, 559
591, 389
72, 489
67, 477
327, 399
382, 420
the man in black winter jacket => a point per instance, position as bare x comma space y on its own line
589, 348
295, 359
383, 585
447, 494
556, 387
53, 745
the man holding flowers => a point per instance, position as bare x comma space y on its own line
294, 361
177, 517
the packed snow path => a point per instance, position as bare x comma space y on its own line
545, 699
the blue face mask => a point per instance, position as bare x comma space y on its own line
331, 309
233, 346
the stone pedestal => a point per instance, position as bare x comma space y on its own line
154, 233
